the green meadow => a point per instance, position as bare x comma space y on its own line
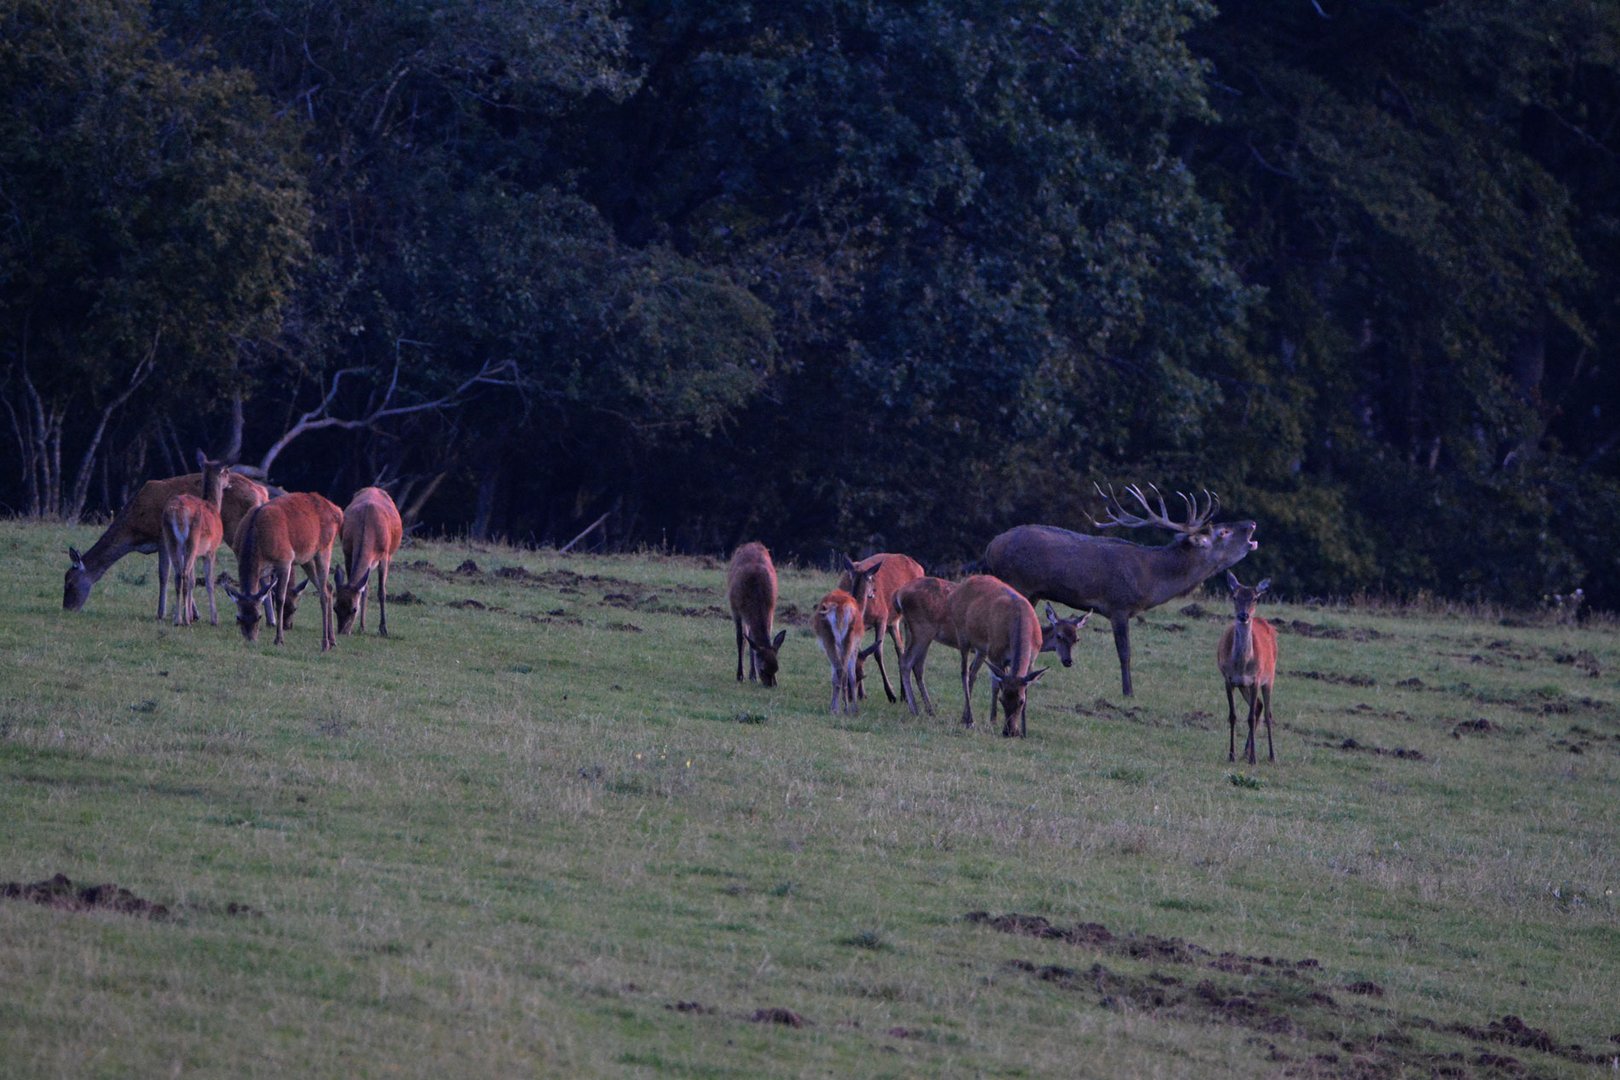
542, 830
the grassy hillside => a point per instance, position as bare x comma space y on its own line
541, 830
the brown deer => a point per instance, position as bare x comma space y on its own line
297, 528
372, 532
922, 606
839, 622
892, 571
1247, 657
191, 530
994, 620
1116, 577
751, 590
138, 528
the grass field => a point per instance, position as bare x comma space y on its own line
541, 830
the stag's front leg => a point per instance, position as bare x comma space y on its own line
736, 622
163, 582
1122, 645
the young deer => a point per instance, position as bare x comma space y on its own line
890, 572
922, 605
751, 589
297, 528
372, 532
192, 529
993, 619
1248, 660
839, 622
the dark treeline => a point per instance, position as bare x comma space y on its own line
835, 275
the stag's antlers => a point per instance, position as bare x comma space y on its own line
1197, 517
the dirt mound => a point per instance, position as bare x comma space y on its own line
59, 892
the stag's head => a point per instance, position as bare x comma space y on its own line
1013, 692
1062, 635
349, 595
764, 655
76, 582
248, 606
1218, 546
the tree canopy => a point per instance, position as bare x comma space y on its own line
836, 275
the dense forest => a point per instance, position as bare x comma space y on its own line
835, 275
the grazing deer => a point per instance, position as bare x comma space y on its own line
298, 528
994, 620
372, 532
138, 527
751, 590
1116, 577
1247, 657
922, 604
839, 622
891, 572
192, 529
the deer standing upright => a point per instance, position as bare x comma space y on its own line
294, 529
138, 528
751, 591
1247, 657
890, 572
993, 619
923, 605
372, 532
1116, 577
192, 530
839, 622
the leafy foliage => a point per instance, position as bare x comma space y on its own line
845, 275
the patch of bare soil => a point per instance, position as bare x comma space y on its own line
60, 893
778, 1015
1335, 633
1335, 679
1400, 752
1281, 998
1584, 662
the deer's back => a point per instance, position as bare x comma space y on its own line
989, 614
896, 571
751, 580
924, 604
371, 525
294, 526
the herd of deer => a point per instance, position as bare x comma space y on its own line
991, 617
186, 518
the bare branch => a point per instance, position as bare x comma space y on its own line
81, 483
492, 373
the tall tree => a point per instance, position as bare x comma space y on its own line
154, 221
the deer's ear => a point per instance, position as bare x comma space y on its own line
1032, 676
1232, 581
202, 460
78, 560
1265, 583
776, 642
1199, 540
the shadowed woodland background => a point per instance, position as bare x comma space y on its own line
835, 275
